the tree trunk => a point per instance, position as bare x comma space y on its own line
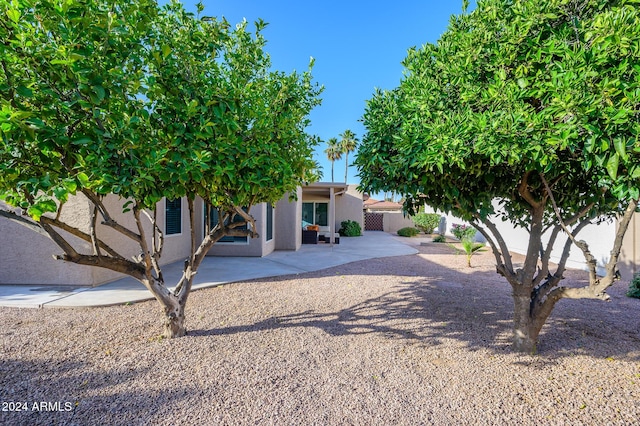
174, 320
526, 328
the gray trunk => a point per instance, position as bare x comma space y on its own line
174, 320
525, 328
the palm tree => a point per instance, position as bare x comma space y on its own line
334, 152
348, 144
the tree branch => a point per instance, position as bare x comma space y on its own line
107, 219
541, 291
21, 220
81, 235
623, 225
504, 265
156, 243
597, 287
146, 257
248, 218
40, 229
523, 190
71, 255
94, 237
546, 256
582, 245
190, 267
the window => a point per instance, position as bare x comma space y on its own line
173, 216
307, 214
213, 221
269, 222
315, 214
322, 214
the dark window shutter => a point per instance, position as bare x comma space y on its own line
269, 222
173, 216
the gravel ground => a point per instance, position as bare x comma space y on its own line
418, 339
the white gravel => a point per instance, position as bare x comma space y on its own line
406, 340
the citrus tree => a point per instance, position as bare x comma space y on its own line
526, 111
104, 98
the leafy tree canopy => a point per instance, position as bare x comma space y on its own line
513, 91
145, 103
128, 98
535, 104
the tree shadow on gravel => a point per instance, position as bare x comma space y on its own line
68, 392
432, 302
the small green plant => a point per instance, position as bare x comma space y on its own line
469, 248
634, 287
350, 228
439, 239
463, 232
426, 222
408, 232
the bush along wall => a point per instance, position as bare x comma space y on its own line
408, 232
350, 228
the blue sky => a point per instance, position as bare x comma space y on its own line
357, 45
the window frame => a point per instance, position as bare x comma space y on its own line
315, 211
227, 240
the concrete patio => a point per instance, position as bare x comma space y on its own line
214, 271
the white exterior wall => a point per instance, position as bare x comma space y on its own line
599, 237
287, 218
349, 207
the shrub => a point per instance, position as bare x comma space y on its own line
634, 287
408, 232
350, 228
426, 222
463, 232
439, 239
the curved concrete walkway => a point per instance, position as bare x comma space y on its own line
214, 271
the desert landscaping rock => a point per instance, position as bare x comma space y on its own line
410, 340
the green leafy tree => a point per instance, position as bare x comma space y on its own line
525, 111
348, 143
334, 153
126, 99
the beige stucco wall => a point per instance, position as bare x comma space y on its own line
629, 260
288, 220
26, 256
349, 207
392, 221
176, 247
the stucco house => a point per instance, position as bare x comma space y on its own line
27, 257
